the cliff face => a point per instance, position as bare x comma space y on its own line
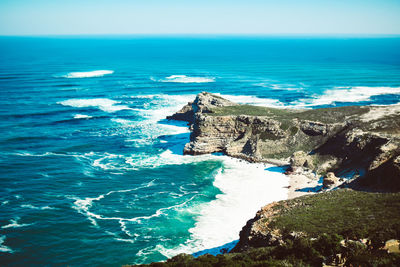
362, 140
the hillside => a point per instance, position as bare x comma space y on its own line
314, 230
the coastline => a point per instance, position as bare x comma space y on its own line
304, 154
301, 184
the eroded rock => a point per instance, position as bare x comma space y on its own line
330, 180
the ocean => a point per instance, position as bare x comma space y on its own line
91, 173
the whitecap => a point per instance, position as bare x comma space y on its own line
82, 116
245, 187
253, 100
83, 206
125, 240
124, 122
29, 206
4, 248
14, 224
88, 74
346, 94
185, 79
104, 104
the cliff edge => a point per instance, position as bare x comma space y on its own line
358, 141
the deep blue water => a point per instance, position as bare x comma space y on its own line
92, 175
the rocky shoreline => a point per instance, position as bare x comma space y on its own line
356, 148
359, 144
350, 147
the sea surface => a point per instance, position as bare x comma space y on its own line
91, 173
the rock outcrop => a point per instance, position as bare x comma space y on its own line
359, 139
330, 180
203, 103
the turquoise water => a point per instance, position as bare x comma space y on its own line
90, 172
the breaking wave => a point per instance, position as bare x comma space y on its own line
253, 100
29, 206
14, 224
4, 248
88, 74
185, 79
82, 116
104, 104
245, 188
346, 94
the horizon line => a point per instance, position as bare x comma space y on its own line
382, 35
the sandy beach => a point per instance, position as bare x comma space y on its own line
302, 184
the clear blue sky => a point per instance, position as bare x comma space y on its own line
42, 17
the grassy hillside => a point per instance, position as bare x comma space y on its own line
324, 115
325, 220
352, 214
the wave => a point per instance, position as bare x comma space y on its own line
185, 79
14, 224
4, 248
124, 122
88, 74
83, 206
346, 94
82, 116
104, 104
29, 206
46, 154
253, 100
245, 187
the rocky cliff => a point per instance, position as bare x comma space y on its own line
359, 141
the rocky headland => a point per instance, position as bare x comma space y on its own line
357, 142
356, 149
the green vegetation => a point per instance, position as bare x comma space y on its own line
325, 115
249, 110
352, 214
293, 130
298, 252
325, 221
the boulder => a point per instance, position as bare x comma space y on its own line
298, 159
330, 180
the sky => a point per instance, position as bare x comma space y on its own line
77, 17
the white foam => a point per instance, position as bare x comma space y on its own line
124, 240
123, 122
245, 189
88, 74
82, 116
346, 94
83, 206
4, 248
185, 79
253, 100
14, 224
29, 206
104, 104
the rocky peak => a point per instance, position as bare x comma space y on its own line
203, 103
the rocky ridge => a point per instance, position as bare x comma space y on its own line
357, 141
